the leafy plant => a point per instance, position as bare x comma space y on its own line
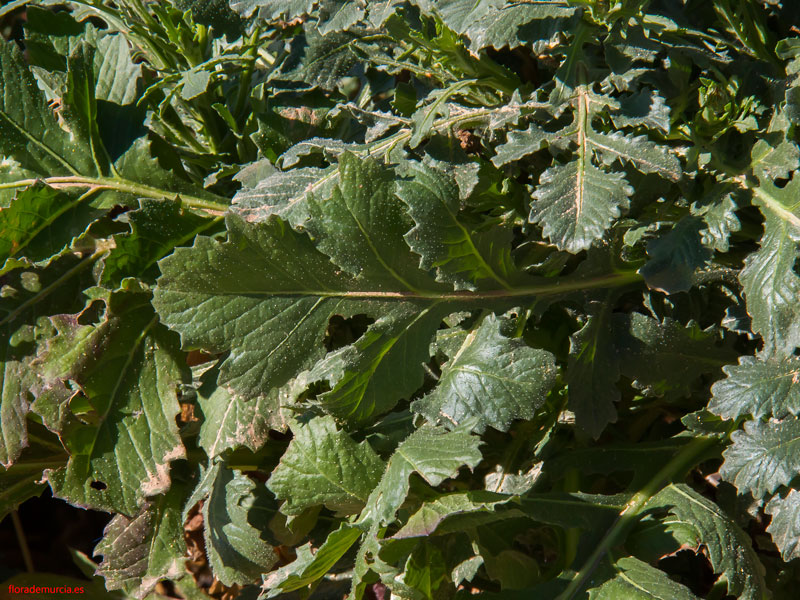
437, 299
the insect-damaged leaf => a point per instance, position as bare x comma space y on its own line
140, 551
120, 428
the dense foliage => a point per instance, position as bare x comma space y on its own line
442, 299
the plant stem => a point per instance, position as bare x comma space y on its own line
23, 542
120, 185
630, 514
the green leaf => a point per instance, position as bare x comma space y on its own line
23, 479
362, 226
140, 551
29, 129
675, 257
785, 525
426, 571
246, 280
122, 434
434, 453
339, 15
665, 359
768, 278
644, 108
763, 456
310, 566
157, 227
385, 365
506, 24
323, 465
80, 105
592, 372
718, 210
577, 509
40, 224
271, 9
28, 295
763, 386
431, 514
142, 176
575, 203
777, 162
232, 422
116, 74
632, 578
236, 551
491, 380
729, 548
644, 155
285, 194
446, 242
519, 144
318, 60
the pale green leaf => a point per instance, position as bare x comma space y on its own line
285, 194
509, 24
318, 60
644, 155
340, 15
271, 9
116, 75
774, 162
644, 108
718, 210
426, 520
519, 144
